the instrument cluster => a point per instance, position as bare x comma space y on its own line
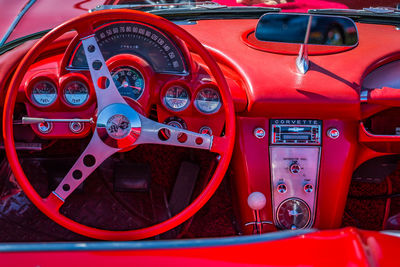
147, 67
206, 99
73, 91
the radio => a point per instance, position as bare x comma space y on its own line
295, 132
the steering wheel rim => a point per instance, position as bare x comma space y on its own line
221, 145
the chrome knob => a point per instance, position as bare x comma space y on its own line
256, 201
333, 133
282, 188
259, 133
45, 127
295, 168
308, 188
76, 127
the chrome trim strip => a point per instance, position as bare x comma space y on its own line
394, 233
16, 21
146, 245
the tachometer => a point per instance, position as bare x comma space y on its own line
129, 81
44, 93
76, 93
176, 98
207, 100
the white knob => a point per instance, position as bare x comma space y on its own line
256, 201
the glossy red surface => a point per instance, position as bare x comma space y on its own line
263, 86
346, 247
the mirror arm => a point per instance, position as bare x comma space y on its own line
302, 61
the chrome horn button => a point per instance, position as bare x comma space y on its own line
118, 125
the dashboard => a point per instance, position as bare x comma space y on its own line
299, 136
149, 69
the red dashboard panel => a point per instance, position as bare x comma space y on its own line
264, 86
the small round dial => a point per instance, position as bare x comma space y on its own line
76, 93
176, 98
293, 214
129, 81
207, 100
44, 93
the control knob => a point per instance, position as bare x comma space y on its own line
295, 168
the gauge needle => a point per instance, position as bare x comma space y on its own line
294, 213
126, 84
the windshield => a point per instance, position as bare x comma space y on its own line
287, 5
24, 18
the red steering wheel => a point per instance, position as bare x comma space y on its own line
131, 127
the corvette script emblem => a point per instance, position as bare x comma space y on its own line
118, 126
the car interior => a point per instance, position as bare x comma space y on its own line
200, 121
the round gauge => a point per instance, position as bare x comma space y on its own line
174, 122
76, 93
207, 100
129, 82
176, 98
44, 93
293, 214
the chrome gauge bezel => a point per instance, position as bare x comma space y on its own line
196, 103
65, 97
116, 69
306, 206
168, 106
36, 102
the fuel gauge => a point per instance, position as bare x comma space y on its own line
44, 93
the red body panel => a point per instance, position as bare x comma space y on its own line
346, 247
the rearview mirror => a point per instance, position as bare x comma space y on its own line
293, 28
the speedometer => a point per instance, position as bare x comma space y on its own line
129, 81
76, 93
44, 93
207, 100
176, 98
137, 39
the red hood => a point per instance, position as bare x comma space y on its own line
42, 15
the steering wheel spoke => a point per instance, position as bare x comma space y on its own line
106, 91
157, 133
95, 153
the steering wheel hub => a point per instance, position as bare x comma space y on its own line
119, 125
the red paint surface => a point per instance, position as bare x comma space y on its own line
47, 14
9, 12
264, 86
347, 247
